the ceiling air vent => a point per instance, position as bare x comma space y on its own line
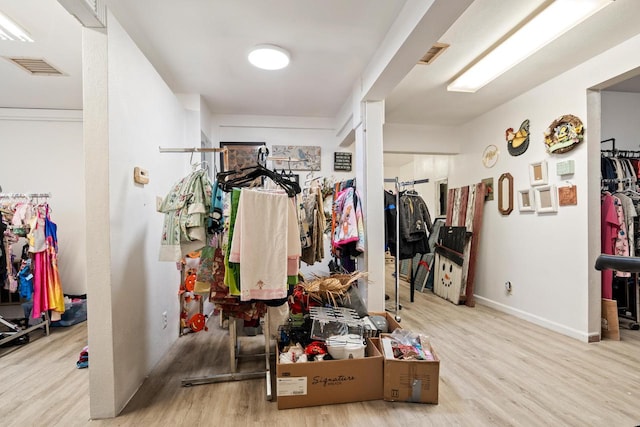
433, 53
37, 67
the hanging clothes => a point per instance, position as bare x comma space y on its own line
348, 238
186, 208
47, 289
609, 226
313, 209
272, 237
414, 223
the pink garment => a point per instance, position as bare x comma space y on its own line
622, 238
609, 230
40, 291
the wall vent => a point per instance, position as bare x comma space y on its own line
36, 66
431, 55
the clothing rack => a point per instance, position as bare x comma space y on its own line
234, 345
398, 185
15, 330
631, 290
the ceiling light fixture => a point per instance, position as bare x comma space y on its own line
269, 57
550, 23
10, 31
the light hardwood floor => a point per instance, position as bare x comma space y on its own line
496, 370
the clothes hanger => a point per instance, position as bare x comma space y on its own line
247, 176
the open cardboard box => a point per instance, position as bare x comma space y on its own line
410, 380
391, 321
331, 381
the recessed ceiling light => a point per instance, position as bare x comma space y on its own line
269, 57
9, 30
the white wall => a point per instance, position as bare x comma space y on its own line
42, 152
417, 139
421, 166
288, 131
621, 119
125, 328
548, 258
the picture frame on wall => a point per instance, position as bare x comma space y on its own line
241, 154
526, 200
538, 174
303, 157
546, 199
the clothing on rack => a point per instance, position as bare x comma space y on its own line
414, 222
619, 173
314, 217
30, 254
262, 251
267, 246
348, 224
186, 208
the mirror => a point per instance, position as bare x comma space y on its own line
505, 194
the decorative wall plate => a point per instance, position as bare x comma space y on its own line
563, 134
490, 156
518, 142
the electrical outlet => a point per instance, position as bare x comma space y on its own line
508, 287
164, 320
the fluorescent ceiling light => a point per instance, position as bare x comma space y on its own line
9, 30
555, 20
269, 57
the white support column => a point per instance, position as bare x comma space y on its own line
370, 184
102, 388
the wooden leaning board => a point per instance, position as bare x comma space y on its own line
465, 206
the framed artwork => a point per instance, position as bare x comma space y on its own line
526, 200
241, 154
505, 193
568, 196
546, 199
563, 134
538, 173
307, 157
518, 142
488, 182
490, 156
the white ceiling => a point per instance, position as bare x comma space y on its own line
200, 46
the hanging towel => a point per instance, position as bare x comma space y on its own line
265, 242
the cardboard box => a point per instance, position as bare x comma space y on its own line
391, 321
410, 380
332, 381
609, 320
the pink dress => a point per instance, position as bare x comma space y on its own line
610, 227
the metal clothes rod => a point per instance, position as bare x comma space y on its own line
23, 195
223, 150
417, 181
193, 150
612, 141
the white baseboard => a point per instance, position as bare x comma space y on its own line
540, 321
